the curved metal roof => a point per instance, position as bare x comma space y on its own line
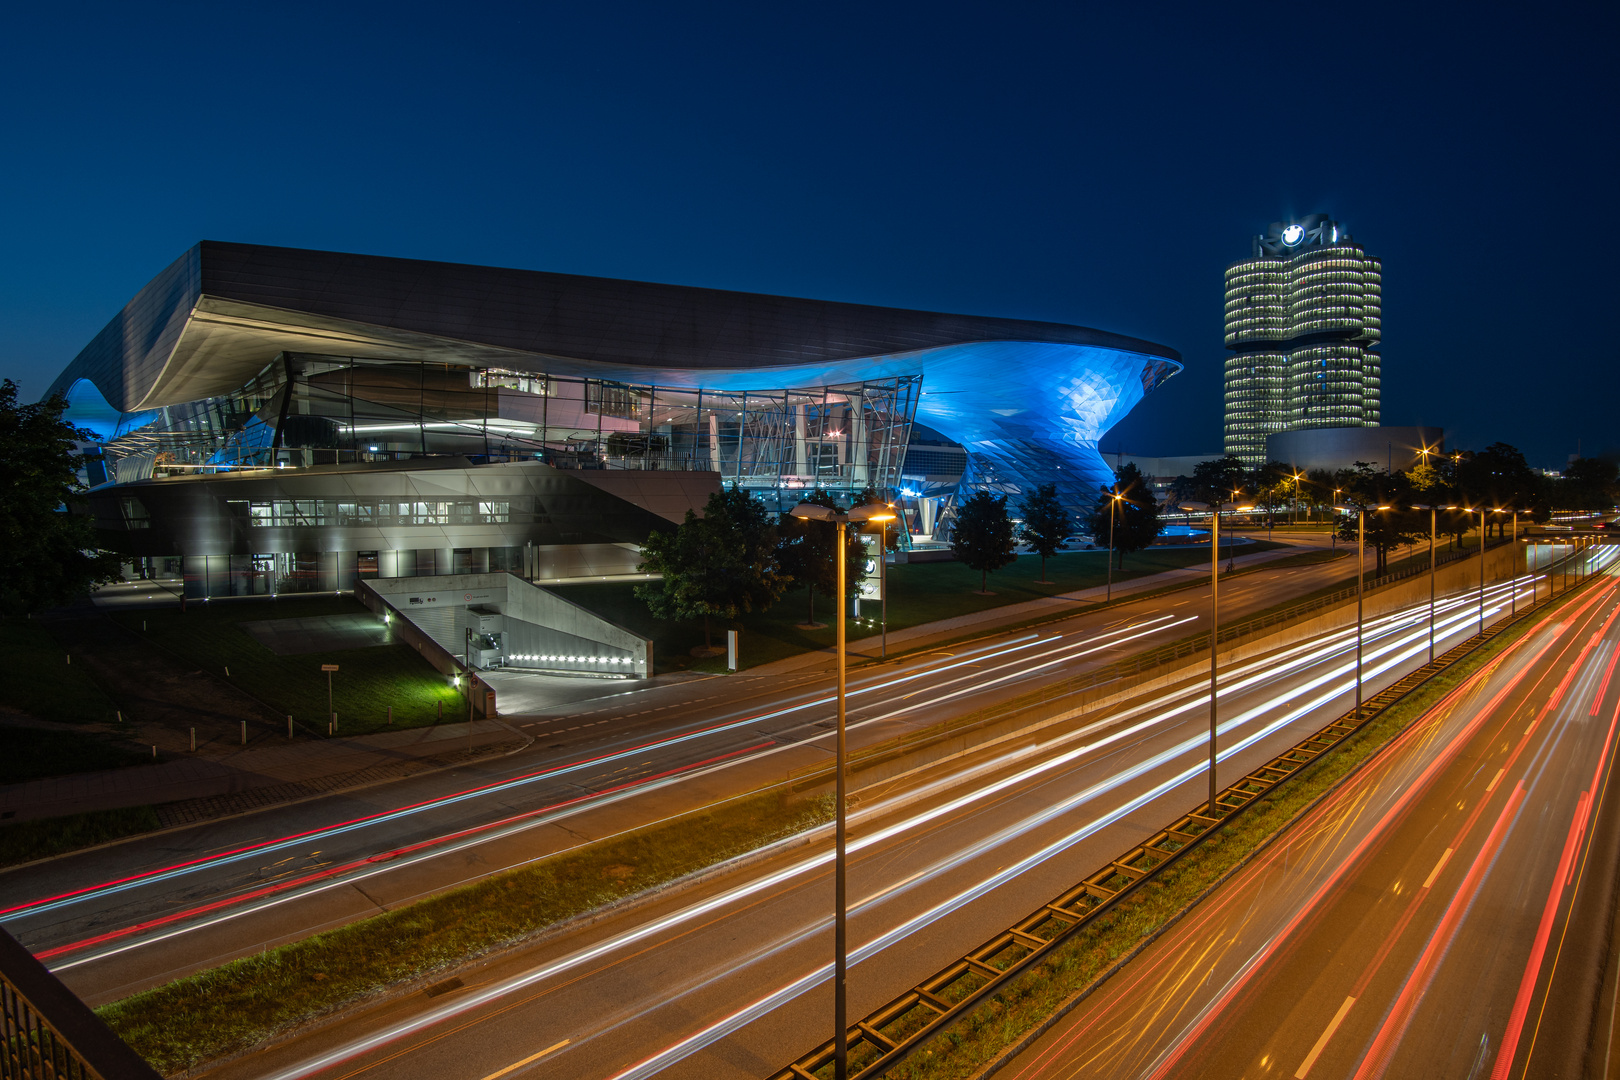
222, 311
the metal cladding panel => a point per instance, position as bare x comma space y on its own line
596, 321
129, 354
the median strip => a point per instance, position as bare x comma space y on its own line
975, 1013
240, 1005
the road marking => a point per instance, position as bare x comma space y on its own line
1439, 866
1495, 780
1321, 1044
531, 1058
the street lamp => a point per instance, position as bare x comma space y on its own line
1113, 501
1481, 512
1513, 590
815, 512
1333, 533
1361, 583
1431, 509
1214, 619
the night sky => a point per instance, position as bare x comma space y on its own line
1068, 162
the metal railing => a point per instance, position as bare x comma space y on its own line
46, 1033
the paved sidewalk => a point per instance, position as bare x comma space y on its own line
196, 788
990, 619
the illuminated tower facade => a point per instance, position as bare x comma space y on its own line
1303, 326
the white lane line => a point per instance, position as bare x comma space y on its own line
1497, 779
516, 1065
1338, 1018
1439, 866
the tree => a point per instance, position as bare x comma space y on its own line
1589, 484
982, 538
1499, 476
1215, 480
1366, 487
721, 565
806, 553
1136, 521
51, 553
1046, 523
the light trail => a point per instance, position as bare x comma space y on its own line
355, 871
361, 869
1403, 647
267, 847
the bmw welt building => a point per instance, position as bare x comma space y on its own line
280, 420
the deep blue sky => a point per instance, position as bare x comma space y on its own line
1068, 162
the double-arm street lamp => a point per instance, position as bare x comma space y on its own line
858, 515
1215, 512
1361, 583
1431, 508
1480, 510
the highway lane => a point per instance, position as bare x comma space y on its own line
728, 979
146, 890
1407, 926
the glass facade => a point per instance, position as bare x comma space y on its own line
305, 410
1304, 325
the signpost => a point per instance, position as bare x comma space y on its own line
330, 715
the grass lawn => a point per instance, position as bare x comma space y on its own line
25, 841
918, 593
368, 680
245, 1002
37, 679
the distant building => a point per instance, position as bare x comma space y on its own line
1303, 323
1390, 449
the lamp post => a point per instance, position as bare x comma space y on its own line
883, 583
1513, 587
1481, 512
1214, 620
1113, 501
1431, 509
814, 512
1361, 584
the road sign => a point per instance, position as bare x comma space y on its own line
329, 667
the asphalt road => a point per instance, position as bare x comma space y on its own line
1446, 913
728, 979
121, 918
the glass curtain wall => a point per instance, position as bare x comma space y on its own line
306, 410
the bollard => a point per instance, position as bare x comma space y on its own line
334, 723
227, 671
143, 626
193, 740
70, 660
289, 727
244, 733
120, 714
329, 729
154, 752
390, 716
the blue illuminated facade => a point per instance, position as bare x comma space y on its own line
382, 406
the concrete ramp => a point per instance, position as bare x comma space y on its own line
500, 620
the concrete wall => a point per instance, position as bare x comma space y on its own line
539, 628
423, 641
